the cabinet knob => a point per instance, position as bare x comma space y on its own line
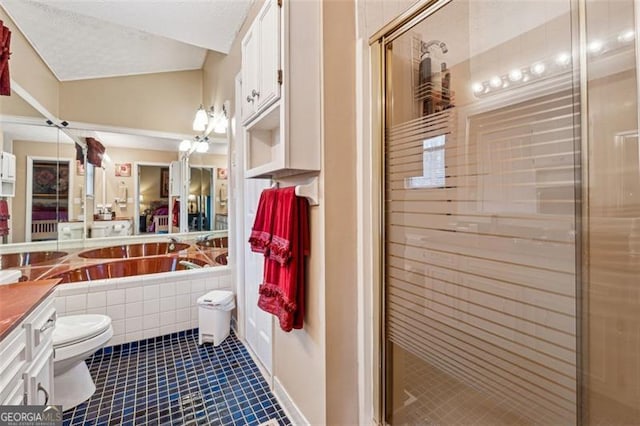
249, 99
255, 93
46, 394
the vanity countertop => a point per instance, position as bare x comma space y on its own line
19, 299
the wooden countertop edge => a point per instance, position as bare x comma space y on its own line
44, 287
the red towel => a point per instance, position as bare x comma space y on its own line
284, 227
282, 291
176, 213
260, 237
4, 217
5, 44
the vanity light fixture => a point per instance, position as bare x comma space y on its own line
198, 144
201, 119
208, 119
550, 67
595, 46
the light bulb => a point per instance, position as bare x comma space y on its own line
184, 145
201, 119
495, 82
538, 69
220, 126
626, 36
595, 46
202, 146
477, 88
515, 75
563, 59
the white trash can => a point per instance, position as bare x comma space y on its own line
214, 316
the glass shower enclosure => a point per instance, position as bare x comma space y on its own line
511, 211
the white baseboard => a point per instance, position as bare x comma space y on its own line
287, 404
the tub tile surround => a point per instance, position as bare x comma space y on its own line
144, 306
171, 380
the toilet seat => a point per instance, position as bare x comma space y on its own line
79, 336
78, 328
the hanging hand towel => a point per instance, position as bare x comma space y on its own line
282, 291
262, 225
284, 226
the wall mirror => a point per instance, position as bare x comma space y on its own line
60, 199
61, 196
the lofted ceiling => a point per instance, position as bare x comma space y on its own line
108, 38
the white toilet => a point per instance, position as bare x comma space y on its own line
76, 338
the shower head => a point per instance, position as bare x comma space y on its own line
441, 44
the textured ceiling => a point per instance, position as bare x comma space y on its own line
94, 39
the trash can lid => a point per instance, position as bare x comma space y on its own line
216, 298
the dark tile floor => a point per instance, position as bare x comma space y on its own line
170, 380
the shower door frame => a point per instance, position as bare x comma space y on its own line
378, 44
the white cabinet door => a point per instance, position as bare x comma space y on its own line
250, 70
269, 39
258, 324
39, 379
8, 167
17, 395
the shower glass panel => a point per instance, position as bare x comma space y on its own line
481, 157
611, 221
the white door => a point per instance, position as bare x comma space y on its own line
259, 324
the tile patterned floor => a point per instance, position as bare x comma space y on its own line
170, 380
434, 397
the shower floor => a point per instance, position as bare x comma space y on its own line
433, 397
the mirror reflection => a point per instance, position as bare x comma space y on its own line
61, 195
106, 160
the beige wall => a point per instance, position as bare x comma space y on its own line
15, 105
163, 101
339, 175
29, 70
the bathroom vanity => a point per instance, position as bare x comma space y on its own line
27, 320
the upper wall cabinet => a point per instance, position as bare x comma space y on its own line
261, 69
281, 89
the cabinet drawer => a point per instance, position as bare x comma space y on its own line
16, 394
39, 328
13, 360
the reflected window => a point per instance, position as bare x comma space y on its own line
433, 165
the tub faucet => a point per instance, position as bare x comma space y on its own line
189, 265
172, 243
204, 237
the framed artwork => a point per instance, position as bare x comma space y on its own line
222, 173
123, 170
50, 178
164, 182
